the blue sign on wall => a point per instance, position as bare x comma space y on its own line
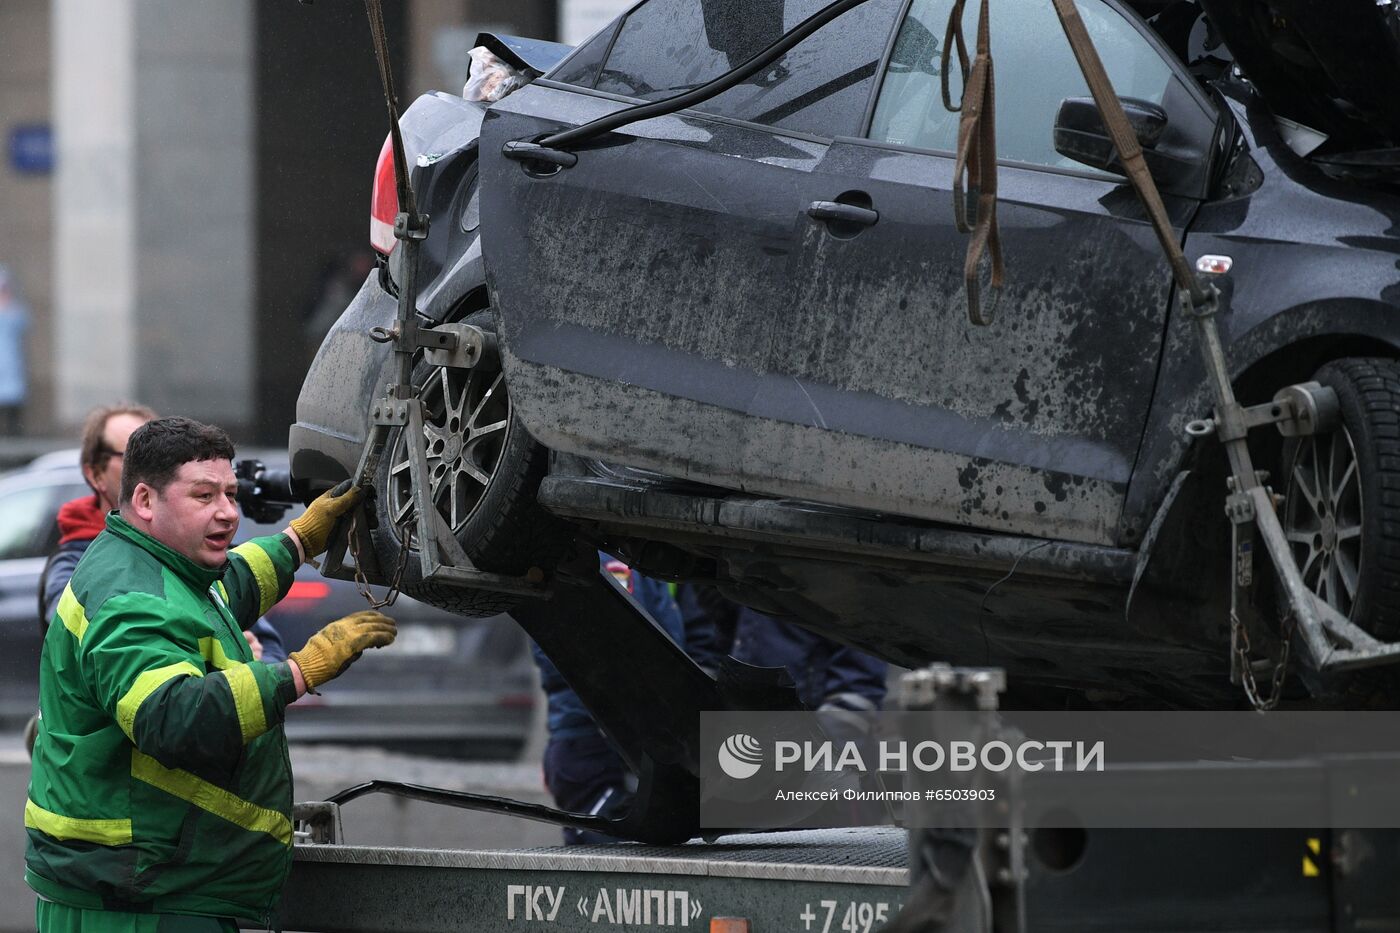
31, 148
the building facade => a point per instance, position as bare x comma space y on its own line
208, 182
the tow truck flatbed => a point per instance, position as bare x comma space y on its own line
823, 881
836, 881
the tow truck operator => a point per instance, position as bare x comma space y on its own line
160, 796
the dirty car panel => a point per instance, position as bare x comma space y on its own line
672, 303
333, 407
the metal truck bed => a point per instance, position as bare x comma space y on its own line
854, 877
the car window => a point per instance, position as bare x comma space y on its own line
24, 517
582, 66
821, 86
1035, 70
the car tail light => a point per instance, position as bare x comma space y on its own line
308, 590
384, 201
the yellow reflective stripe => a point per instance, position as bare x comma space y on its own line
102, 832
263, 573
213, 651
247, 700
145, 684
72, 613
223, 593
210, 798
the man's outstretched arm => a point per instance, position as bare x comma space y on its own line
260, 571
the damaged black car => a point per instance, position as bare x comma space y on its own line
726, 337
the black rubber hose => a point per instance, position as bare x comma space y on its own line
704, 92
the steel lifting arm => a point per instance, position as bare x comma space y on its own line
442, 559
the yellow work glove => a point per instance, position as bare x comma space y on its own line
334, 648
314, 525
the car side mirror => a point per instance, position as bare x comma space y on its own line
1179, 152
1081, 136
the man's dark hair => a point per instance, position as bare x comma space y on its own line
157, 449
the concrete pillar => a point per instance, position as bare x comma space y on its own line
153, 206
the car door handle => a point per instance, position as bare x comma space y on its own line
522, 151
845, 213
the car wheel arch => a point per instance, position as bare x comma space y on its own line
1284, 348
459, 291
1297, 359
1287, 356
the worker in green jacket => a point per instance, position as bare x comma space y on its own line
161, 791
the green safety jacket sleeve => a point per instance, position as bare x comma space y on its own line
260, 572
148, 671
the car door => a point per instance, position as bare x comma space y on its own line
1031, 424
645, 291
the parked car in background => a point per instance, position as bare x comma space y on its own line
29, 502
449, 685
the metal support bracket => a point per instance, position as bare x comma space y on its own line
1239, 508
389, 412
316, 822
435, 538
962, 878
1330, 642
1297, 410
441, 559
399, 406
464, 346
411, 226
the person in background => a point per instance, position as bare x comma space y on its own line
830, 677
14, 385
843, 685
582, 770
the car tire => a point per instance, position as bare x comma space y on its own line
1353, 529
1341, 510
498, 523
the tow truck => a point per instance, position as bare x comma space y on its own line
853, 880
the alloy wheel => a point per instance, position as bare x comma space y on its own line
467, 421
1323, 517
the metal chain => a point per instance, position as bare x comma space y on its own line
395, 582
1251, 687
